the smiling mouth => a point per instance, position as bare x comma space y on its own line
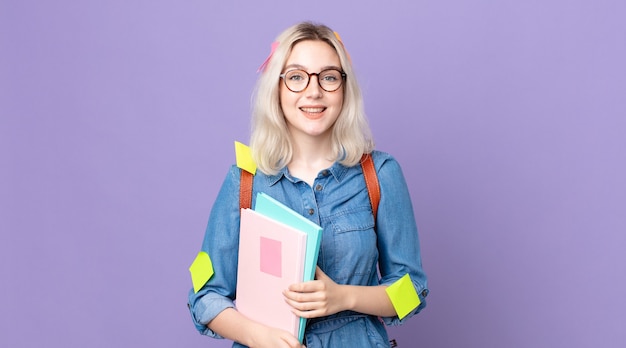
312, 110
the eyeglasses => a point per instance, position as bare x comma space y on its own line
298, 80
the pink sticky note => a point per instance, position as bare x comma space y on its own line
271, 258
269, 57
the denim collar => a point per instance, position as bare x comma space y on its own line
337, 170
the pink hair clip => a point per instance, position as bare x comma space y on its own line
342, 45
267, 60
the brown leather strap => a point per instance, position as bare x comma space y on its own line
371, 181
245, 190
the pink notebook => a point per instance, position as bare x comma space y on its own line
271, 257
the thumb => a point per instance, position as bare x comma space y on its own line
319, 274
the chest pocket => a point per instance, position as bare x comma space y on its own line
354, 243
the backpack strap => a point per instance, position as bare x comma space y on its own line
371, 182
245, 189
369, 174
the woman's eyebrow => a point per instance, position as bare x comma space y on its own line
296, 66
302, 67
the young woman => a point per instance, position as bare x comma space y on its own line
308, 136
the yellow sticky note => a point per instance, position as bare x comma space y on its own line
244, 158
201, 270
403, 296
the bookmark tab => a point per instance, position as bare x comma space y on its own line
244, 158
403, 296
201, 270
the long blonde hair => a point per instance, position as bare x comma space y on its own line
270, 141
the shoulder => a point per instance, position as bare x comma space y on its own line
235, 171
387, 167
234, 174
259, 178
380, 156
383, 159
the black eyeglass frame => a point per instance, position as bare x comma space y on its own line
343, 79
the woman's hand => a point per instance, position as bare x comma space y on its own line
316, 298
235, 326
275, 338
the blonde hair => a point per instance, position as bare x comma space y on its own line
270, 141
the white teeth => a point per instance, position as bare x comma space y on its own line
312, 110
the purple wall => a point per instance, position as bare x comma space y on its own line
117, 120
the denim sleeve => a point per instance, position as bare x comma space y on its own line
221, 243
396, 230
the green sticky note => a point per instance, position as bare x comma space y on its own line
403, 296
244, 158
201, 270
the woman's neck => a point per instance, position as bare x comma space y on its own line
309, 158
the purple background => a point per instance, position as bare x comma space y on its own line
117, 122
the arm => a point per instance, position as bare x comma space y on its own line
323, 297
212, 307
221, 243
398, 241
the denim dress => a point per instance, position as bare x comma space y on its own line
352, 251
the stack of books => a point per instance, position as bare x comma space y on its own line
277, 247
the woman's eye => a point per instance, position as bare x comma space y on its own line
296, 77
